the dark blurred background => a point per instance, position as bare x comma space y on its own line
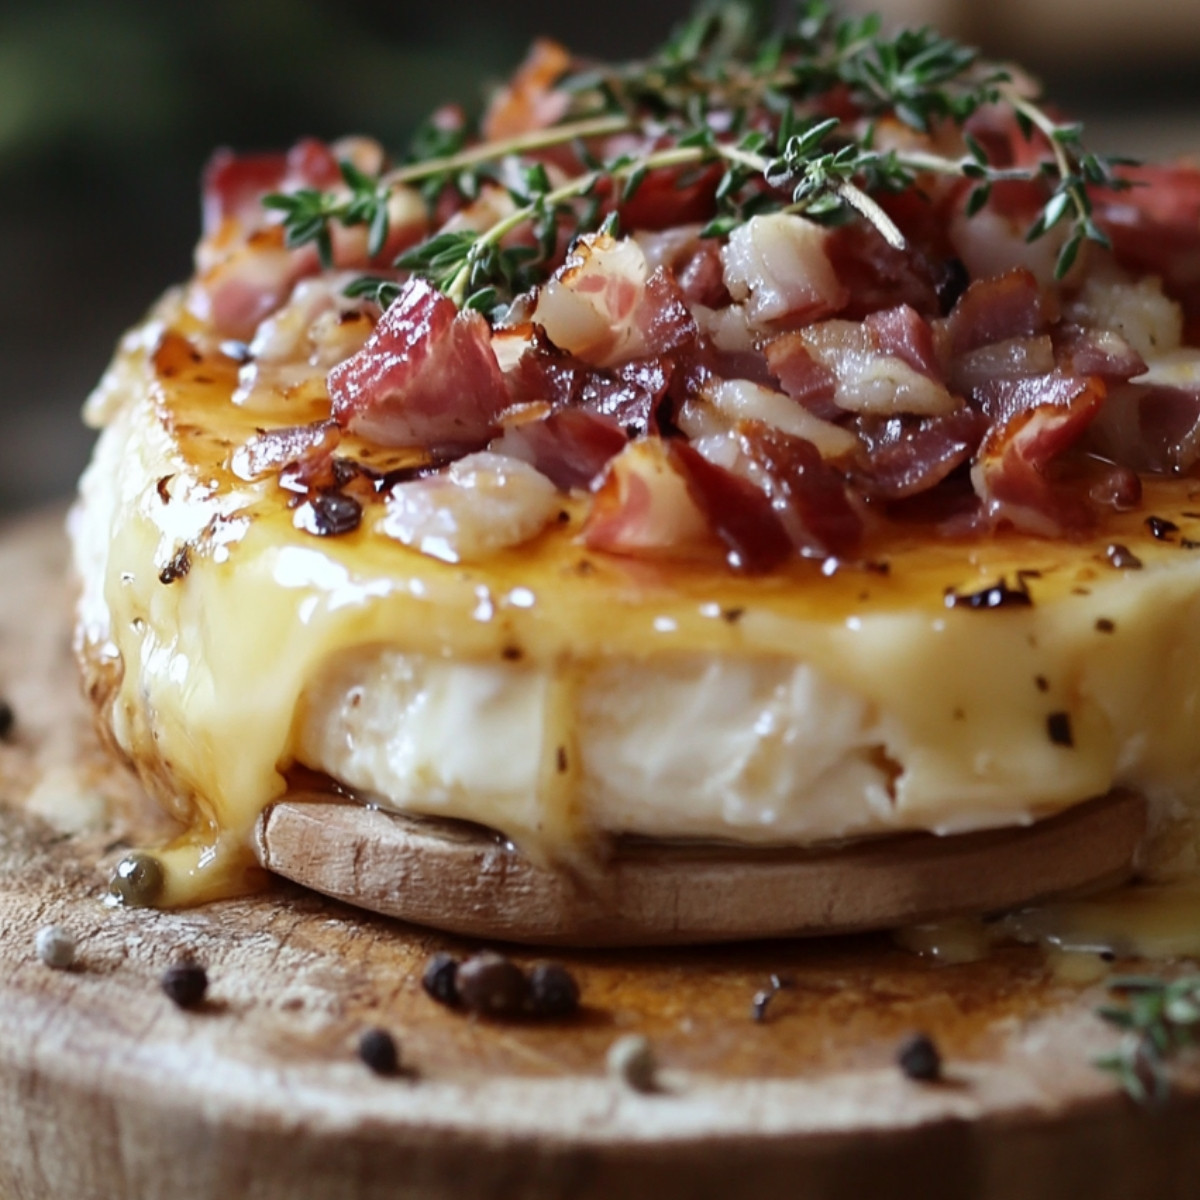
109, 108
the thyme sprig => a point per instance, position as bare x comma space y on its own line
726, 91
1159, 1019
724, 57
308, 212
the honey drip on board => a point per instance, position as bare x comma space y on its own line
1146, 921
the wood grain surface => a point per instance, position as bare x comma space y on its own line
469, 881
107, 1091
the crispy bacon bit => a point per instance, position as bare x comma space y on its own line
672, 197
309, 447
734, 401
872, 379
248, 285
878, 276
1012, 358
909, 455
606, 307
779, 266
1155, 227
529, 101
903, 333
804, 377
1036, 422
694, 261
234, 185
479, 505
643, 507
426, 377
738, 512
1097, 352
628, 394
996, 309
570, 446
808, 495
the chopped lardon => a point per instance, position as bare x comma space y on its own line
869, 380
738, 400
778, 265
479, 505
427, 376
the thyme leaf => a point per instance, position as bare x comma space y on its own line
1159, 1018
767, 105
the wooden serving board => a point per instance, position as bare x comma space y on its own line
108, 1092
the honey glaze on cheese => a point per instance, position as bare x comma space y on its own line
208, 615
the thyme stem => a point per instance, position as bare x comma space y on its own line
490, 152
723, 90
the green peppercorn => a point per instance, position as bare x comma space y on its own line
137, 881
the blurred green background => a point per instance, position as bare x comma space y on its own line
109, 108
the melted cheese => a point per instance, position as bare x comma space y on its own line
552, 693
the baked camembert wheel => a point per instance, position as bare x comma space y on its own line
697, 450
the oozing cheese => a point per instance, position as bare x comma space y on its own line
557, 695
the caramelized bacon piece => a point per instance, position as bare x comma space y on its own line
427, 376
736, 510
902, 333
628, 394
234, 185
1155, 226
245, 287
805, 378
779, 266
996, 309
1036, 421
808, 496
671, 197
877, 275
1097, 352
529, 101
570, 446
645, 507
1168, 429
907, 455
869, 378
606, 307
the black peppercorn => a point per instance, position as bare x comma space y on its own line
185, 984
440, 979
377, 1048
918, 1057
492, 985
553, 991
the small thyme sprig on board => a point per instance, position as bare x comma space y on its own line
722, 91
1160, 1018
